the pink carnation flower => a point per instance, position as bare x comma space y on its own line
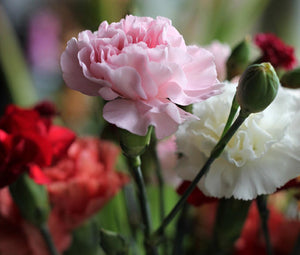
143, 68
221, 52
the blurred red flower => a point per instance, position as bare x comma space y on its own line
29, 141
275, 51
85, 180
79, 184
283, 234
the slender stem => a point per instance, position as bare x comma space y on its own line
159, 176
182, 228
217, 150
233, 111
135, 167
161, 190
132, 215
261, 202
48, 239
160, 187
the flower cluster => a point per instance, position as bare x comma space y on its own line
79, 174
149, 79
144, 69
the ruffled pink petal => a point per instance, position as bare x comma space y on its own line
201, 71
135, 56
166, 119
127, 114
137, 116
73, 73
127, 83
108, 94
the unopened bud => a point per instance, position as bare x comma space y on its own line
257, 87
113, 243
85, 239
239, 59
291, 79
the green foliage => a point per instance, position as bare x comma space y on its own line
31, 199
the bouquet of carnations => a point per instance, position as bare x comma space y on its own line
199, 139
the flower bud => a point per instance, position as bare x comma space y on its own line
113, 243
31, 199
85, 239
239, 59
134, 145
291, 79
257, 87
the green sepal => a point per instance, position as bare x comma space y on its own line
134, 145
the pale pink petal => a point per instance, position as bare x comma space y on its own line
136, 116
166, 119
128, 115
73, 73
127, 83
221, 52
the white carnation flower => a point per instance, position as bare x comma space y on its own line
262, 156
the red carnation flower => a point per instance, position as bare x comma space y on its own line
84, 180
29, 141
275, 51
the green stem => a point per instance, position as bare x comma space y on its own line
159, 176
261, 202
48, 239
161, 190
182, 228
233, 111
135, 167
217, 150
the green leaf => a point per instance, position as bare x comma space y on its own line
31, 199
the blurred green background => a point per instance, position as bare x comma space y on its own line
33, 34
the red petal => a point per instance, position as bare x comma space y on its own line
60, 138
36, 173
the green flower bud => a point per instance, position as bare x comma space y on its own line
31, 199
113, 243
257, 87
85, 239
134, 145
239, 59
291, 79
